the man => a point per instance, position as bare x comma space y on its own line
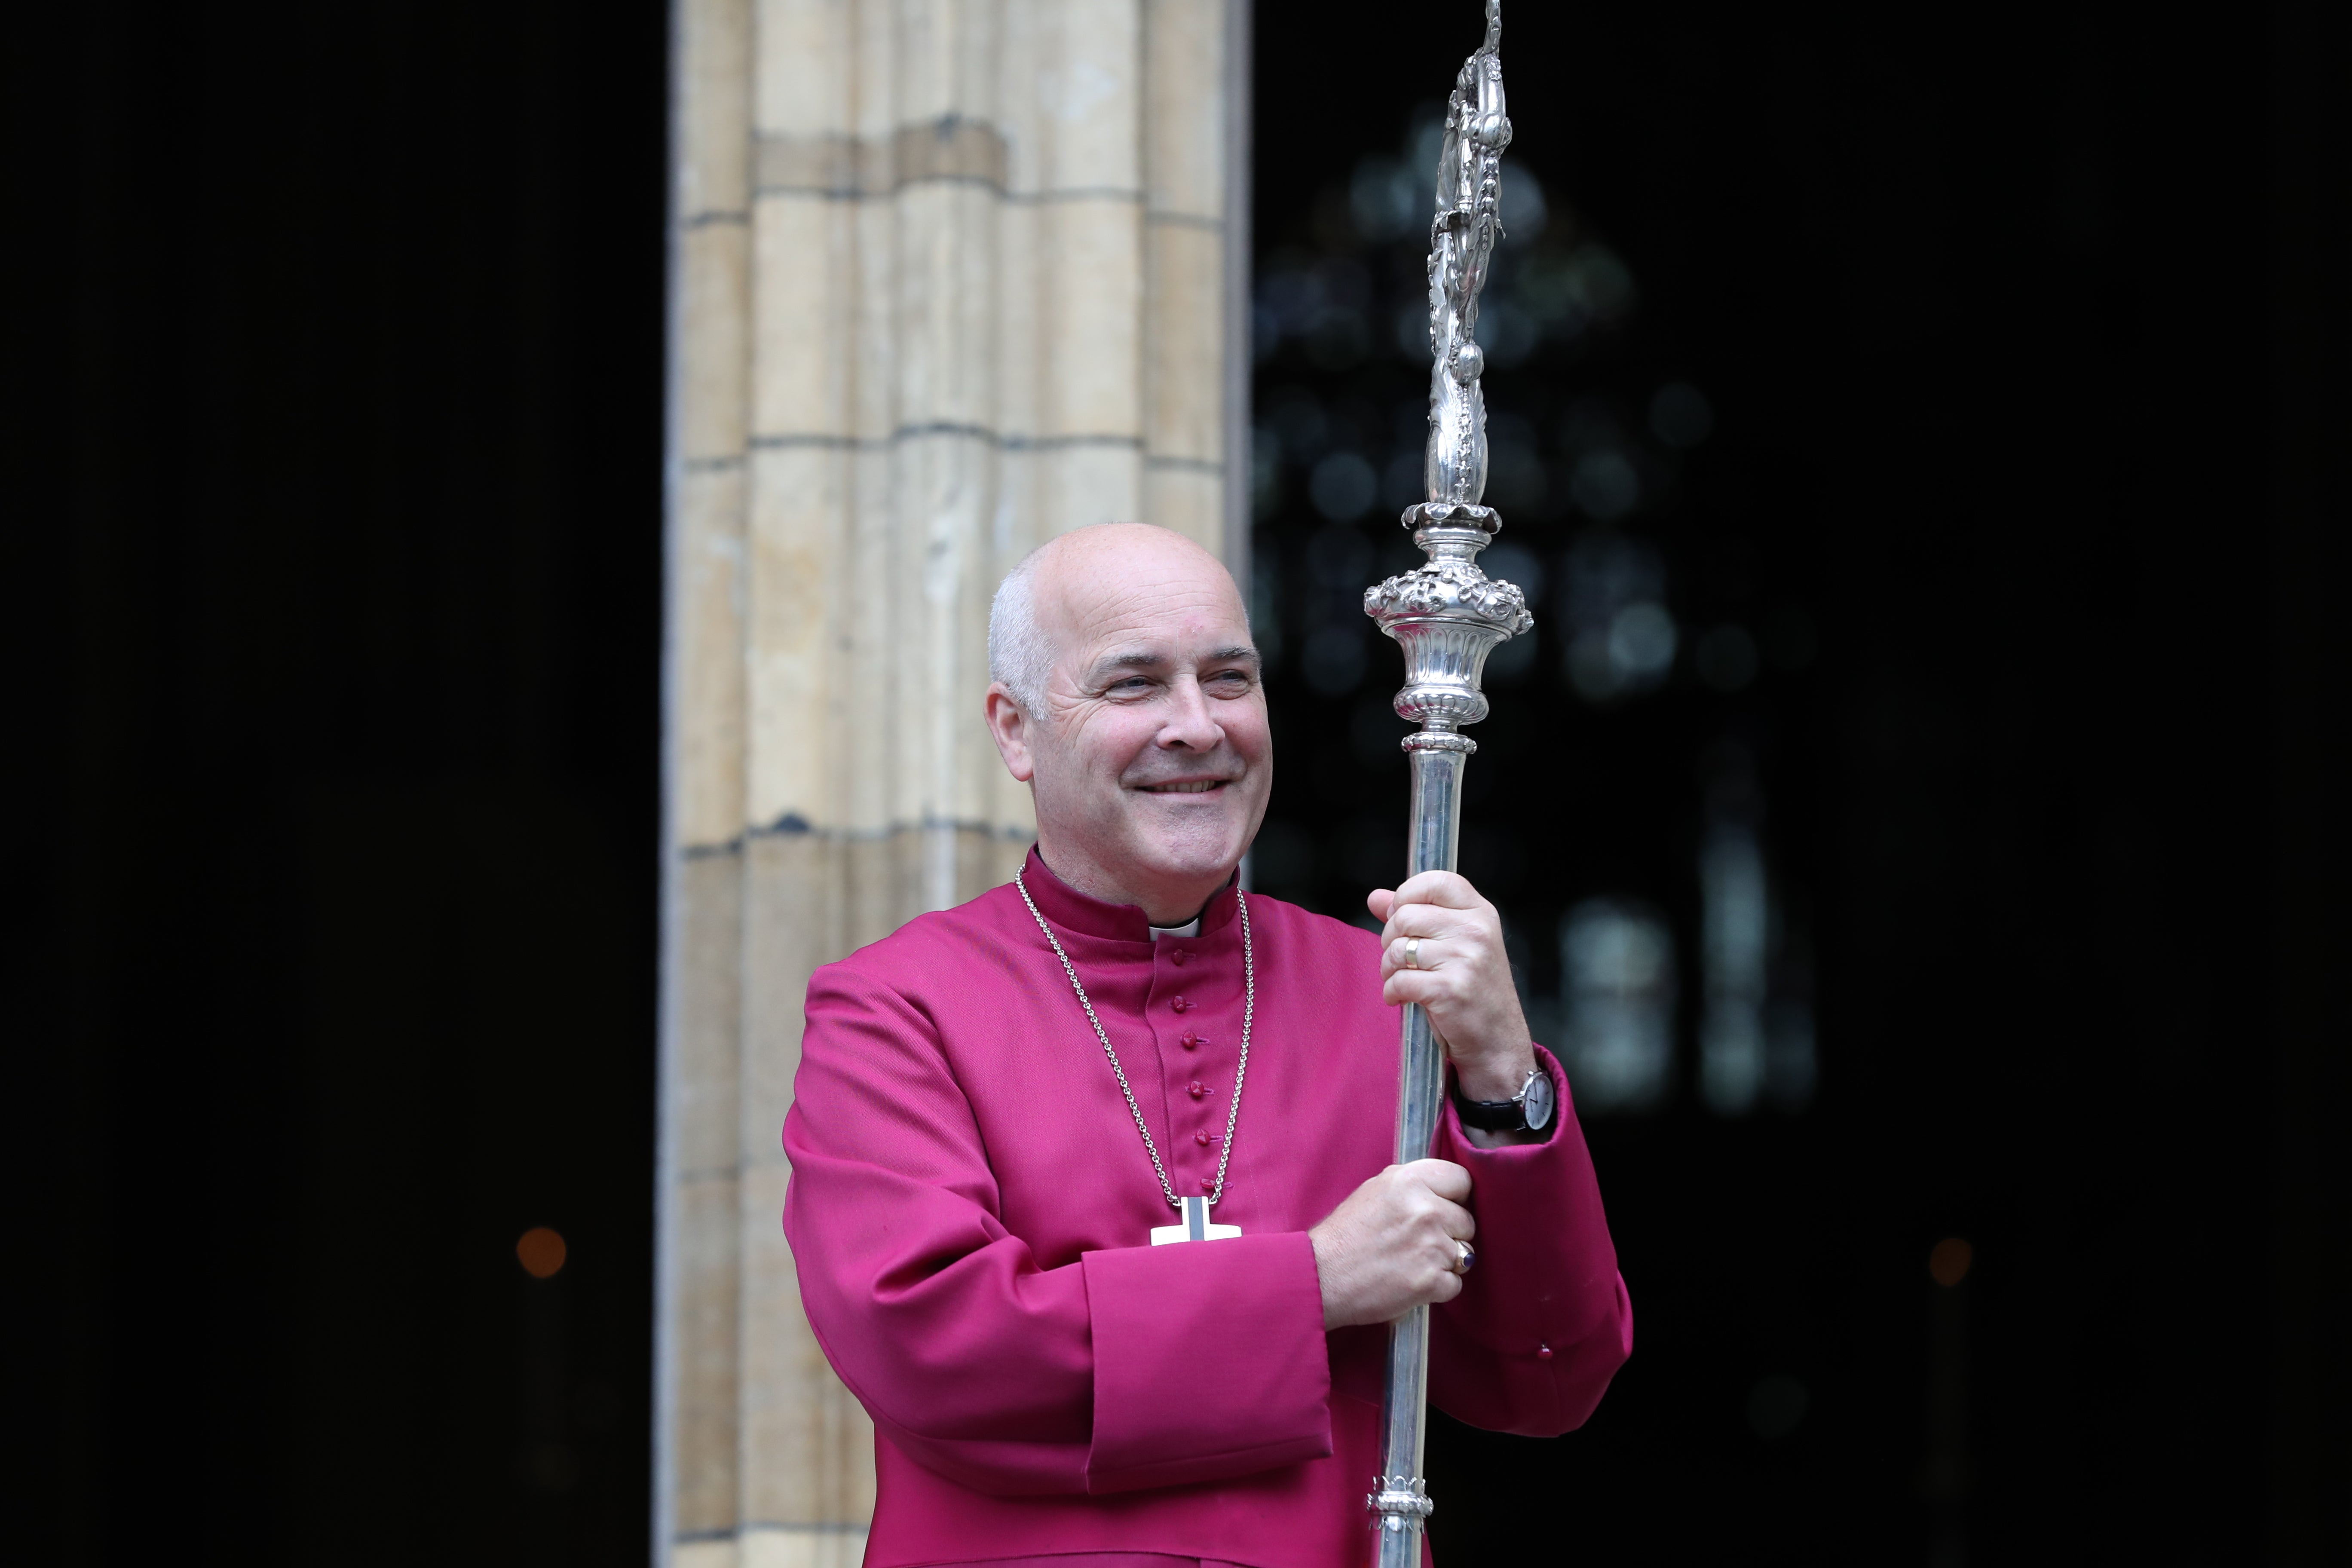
1000, 1107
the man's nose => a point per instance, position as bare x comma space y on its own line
1191, 724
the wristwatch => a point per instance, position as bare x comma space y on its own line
1529, 1110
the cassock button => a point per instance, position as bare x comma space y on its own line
1180, 956
1201, 1138
1208, 1183
1189, 1042
1199, 1088
1180, 1005
1543, 1352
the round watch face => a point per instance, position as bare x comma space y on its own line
1539, 1106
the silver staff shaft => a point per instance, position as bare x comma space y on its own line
1447, 615
1402, 1502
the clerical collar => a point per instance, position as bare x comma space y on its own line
1190, 928
1072, 911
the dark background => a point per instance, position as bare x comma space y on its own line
2024, 335
334, 599
333, 558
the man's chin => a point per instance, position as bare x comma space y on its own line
1199, 849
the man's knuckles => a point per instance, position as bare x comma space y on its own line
1448, 887
1443, 1177
1437, 1281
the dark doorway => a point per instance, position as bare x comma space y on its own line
334, 589
1913, 806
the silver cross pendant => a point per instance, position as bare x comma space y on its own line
1196, 1225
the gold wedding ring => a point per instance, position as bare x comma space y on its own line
1412, 953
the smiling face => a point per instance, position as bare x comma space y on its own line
1149, 760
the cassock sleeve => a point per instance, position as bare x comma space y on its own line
1543, 1321
1005, 1376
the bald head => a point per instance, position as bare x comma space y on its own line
1124, 693
1061, 585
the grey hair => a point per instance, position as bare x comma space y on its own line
1019, 656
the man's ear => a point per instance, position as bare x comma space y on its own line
1009, 728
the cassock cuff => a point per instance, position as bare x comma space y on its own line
1546, 1267
1543, 1321
1452, 1141
1210, 1361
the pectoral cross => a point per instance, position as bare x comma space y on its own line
1196, 1225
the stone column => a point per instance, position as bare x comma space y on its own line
950, 277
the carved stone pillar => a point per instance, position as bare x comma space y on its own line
950, 277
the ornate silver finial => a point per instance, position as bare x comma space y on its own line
1461, 241
1449, 615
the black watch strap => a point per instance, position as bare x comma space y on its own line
1531, 1110
1491, 1115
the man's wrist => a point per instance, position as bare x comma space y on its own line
1525, 1115
1480, 1138
1495, 1078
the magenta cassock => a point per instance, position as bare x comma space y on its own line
969, 1213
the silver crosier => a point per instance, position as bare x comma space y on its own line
1447, 615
